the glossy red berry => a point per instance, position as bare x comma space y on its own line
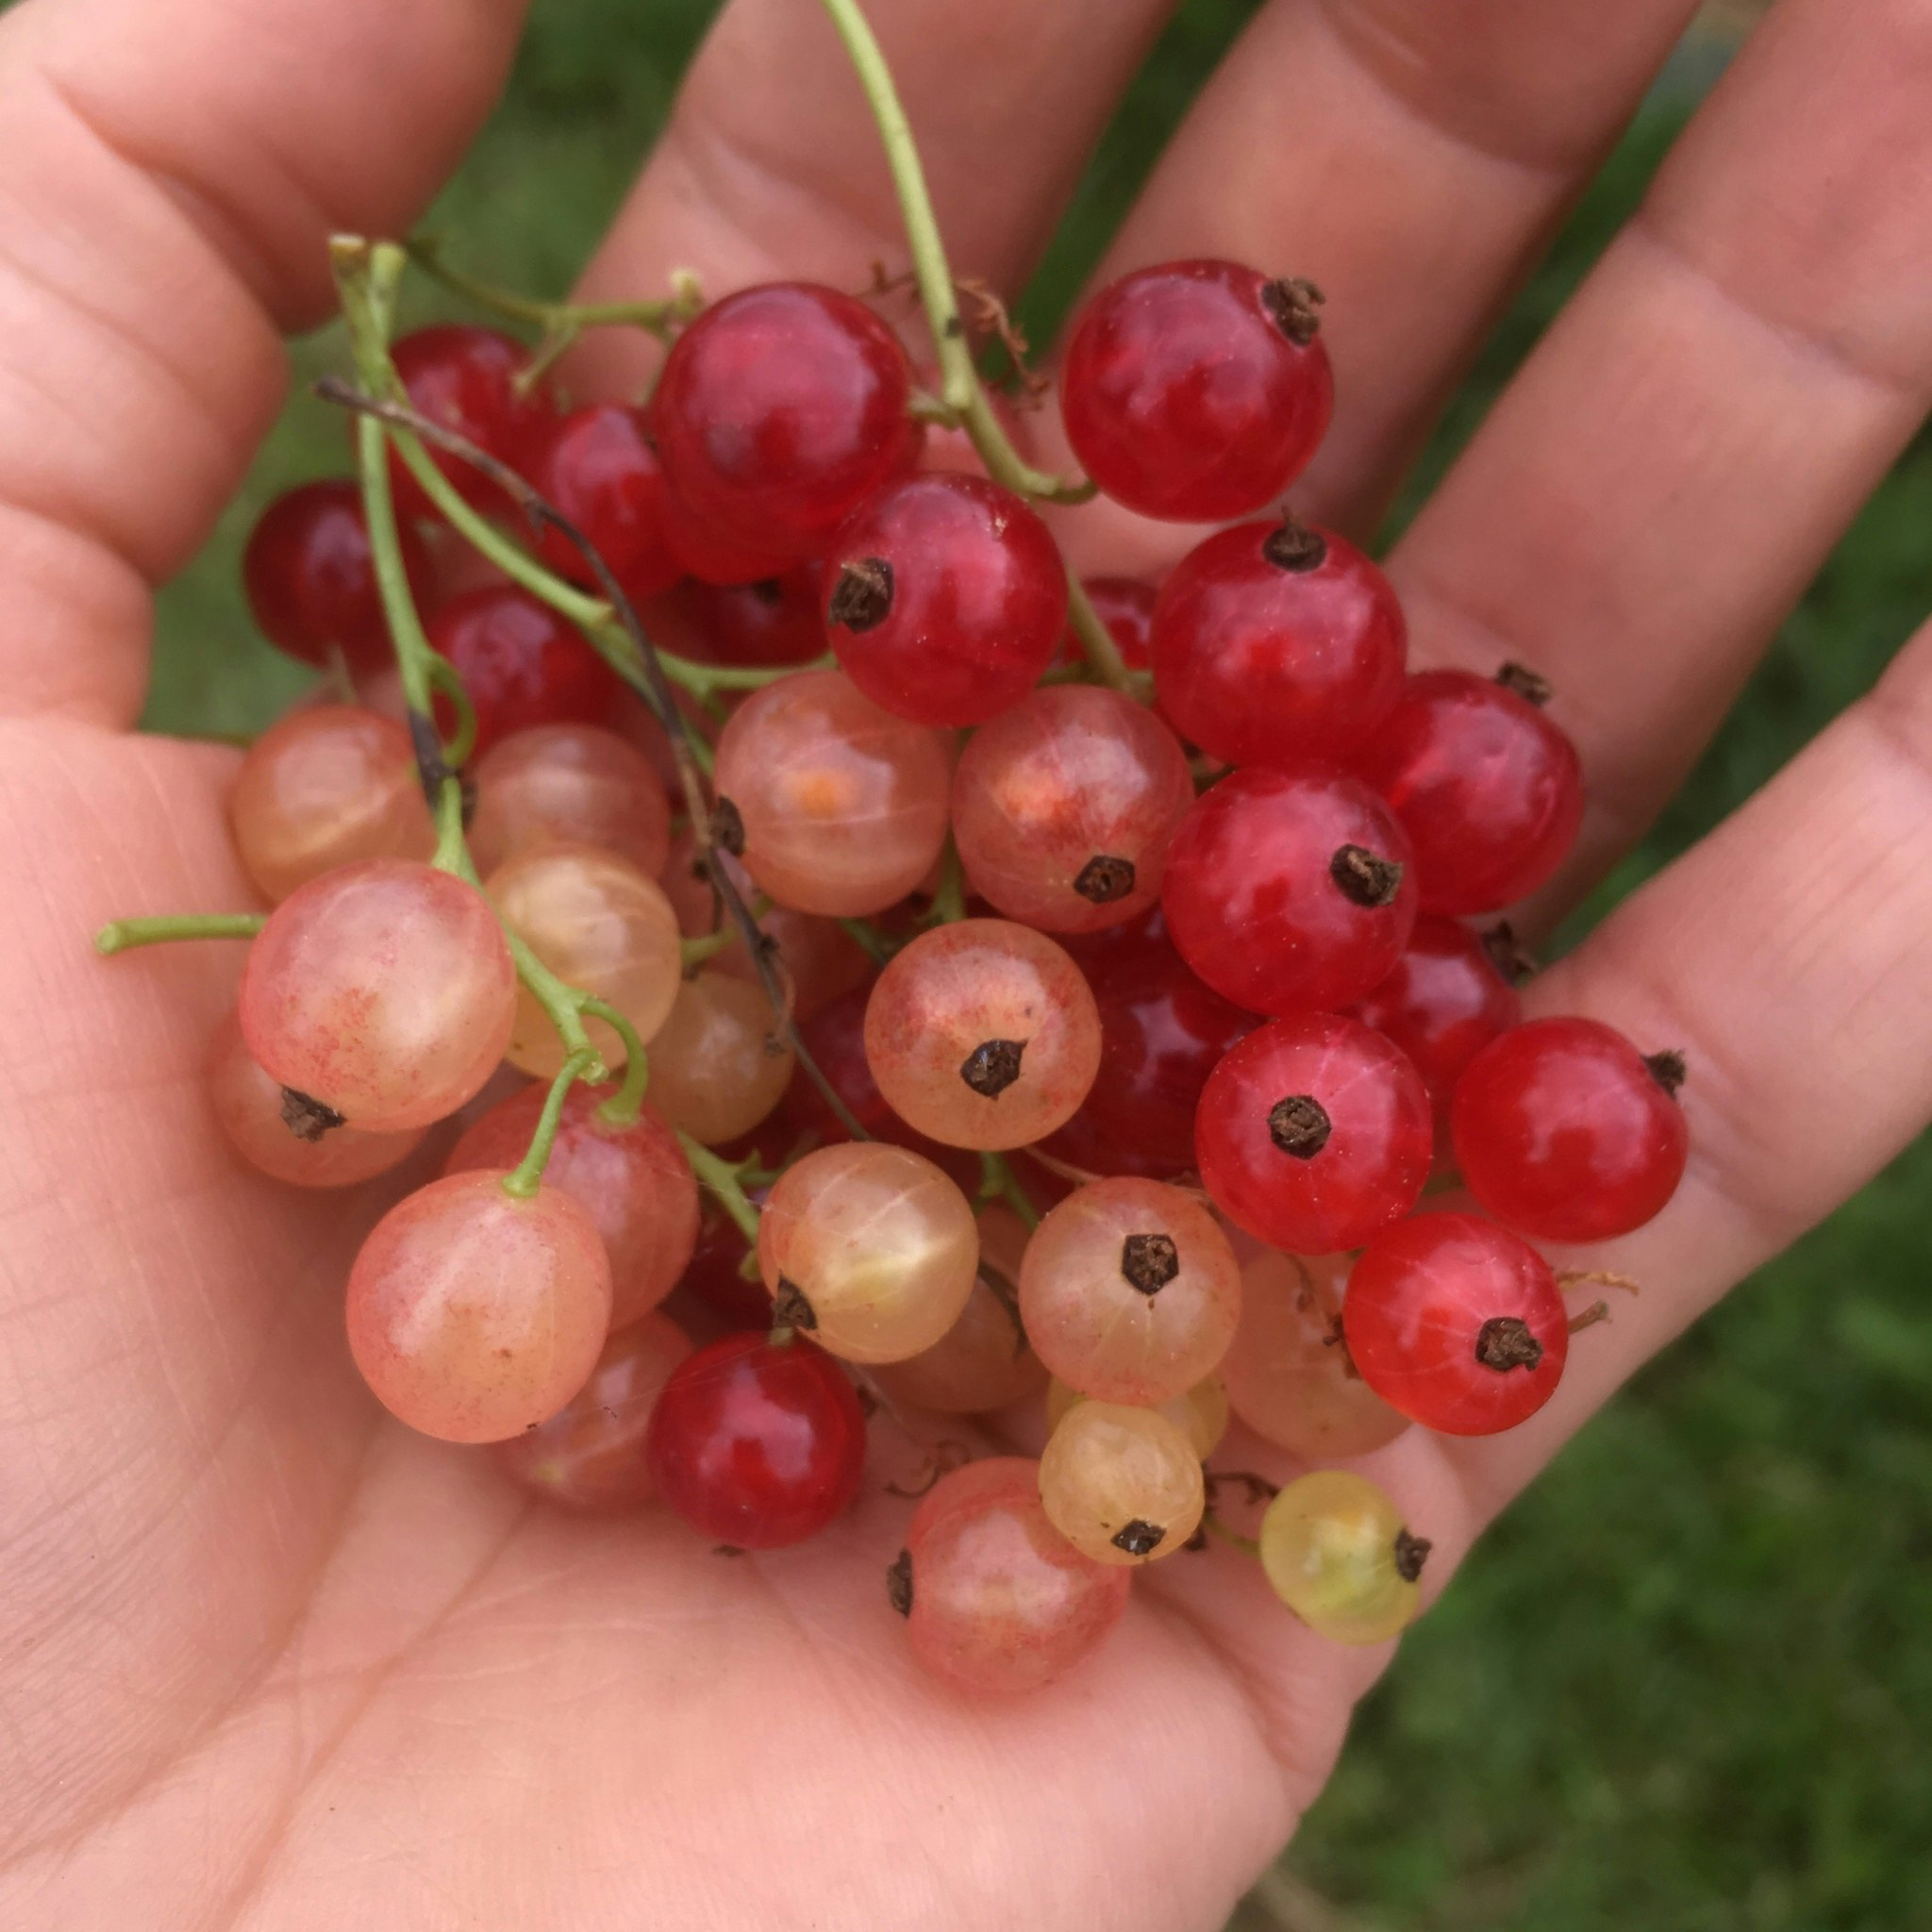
1312, 1133
1162, 1033
598, 466
1273, 641
1563, 1130
715, 1278
774, 621
781, 409
1125, 606
757, 1445
712, 555
1289, 889
945, 599
1197, 390
310, 580
521, 663
465, 378
1457, 1323
1442, 1003
1489, 790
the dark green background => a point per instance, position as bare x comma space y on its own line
1688, 1683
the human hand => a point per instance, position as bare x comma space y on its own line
273, 1661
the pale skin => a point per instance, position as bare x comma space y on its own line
272, 1663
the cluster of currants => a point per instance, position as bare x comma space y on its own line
1190, 975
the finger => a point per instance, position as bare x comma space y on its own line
1790, 956
1410, 157
170, 171
772, 164
1673, 464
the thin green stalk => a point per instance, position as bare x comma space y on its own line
707, 946
1214, 1526
1096, 641
527, 1175
963, 392
998, 1182
123, 935
721, 1176
660, 317
621, 1109
949, 897
869, 940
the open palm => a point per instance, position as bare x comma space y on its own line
269, 1660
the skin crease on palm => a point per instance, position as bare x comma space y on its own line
271, 1662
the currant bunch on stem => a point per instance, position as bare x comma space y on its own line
938, 983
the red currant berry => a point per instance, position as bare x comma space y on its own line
1125, 606
1442, 1003
1197, 390
1064, 808
780, 411
774, 621
708, 555
1289, 889
465, 379
757, 1445
1312, 1133
1457, 1323
521, 664
716, 1280
1489, 790
310, 580
598, 466
1563, 1130
1274, 642
1162, 1034
945, 599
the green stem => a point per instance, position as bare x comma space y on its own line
1096, 641
527, 1175
622, 1107
949, 896
660, 317
707, 946
869, 940
1214, 1526
998, 1182
123, 935
722, 1178
963, 392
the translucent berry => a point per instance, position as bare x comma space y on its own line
1197, 390
1289, 1376
465, 379
1489, 790
474, 1315
521, 664
322, 787
1564, 1131
1163, 1032
945, 598
1289, 889
310, 578
1444, 1001
774, 622
1313, 1133
842, 806
1129, 1292
780, 411
757, 1445
291, 1138
994, 1597
598, 466
982, 1034
589, 1454
600, 926
1457, 1323
1200, 1413
1122, 1485
1274, 642
384, 990
982, 1361
868, 1248
1339, 1556
632, 1180
1064, 808
714, 1070
569, 785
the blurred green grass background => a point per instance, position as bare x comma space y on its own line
1688, 1683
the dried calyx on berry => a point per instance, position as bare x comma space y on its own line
1292, 546
1531, 685
1103, 880
1300, 1125
993, 1066
1367, 880
1294, 305
791, 1309
1149, 1261
305, 1117
862, 596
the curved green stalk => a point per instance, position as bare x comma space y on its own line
123, 935
527, 1175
